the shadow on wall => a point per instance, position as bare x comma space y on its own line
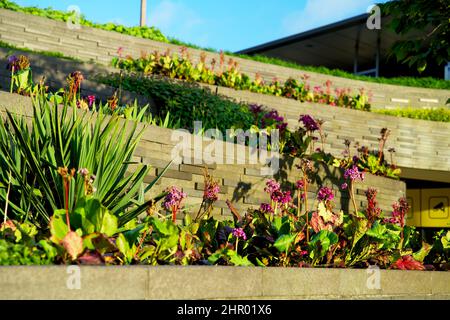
323, 175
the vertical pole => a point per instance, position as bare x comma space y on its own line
143, 12
355, 59
377, 57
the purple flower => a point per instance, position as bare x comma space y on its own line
211, 192
12, 62
239, 233
91, 100
265, 207
400, 211
300, 184
354, 174
325, 194
282, 127
173, 199
12, 59
83, 171
390, 220
309, 123
355, 159
272, 186
255, 109
273, 117
285, 197
344, 186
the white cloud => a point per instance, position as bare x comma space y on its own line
317, 13
176, 19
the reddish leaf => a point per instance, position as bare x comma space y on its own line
408, 263
73, 244
92, 257
8, 225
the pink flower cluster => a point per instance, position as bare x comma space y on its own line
211, 192
265, 207
239, 233
173, 199
273, 188
300, 184
399, 213
91, 100
309, 123
372, 211
325, 194
354, 174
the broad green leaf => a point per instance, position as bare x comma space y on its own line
237, 260
321, 242
58, 226
284, 242
377, 231
123, 246
423, 252
445, 240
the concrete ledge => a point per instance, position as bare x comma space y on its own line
203, 282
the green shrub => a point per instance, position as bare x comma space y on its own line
425, 82
65, 156
186, 103
21, 254
441, 114
183, 68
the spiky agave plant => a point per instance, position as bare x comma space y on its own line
33, 148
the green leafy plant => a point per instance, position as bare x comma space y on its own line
429, 46
439, 114
180, 67
62, 138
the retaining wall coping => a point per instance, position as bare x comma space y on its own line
217, 282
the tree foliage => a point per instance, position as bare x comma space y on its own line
431, 45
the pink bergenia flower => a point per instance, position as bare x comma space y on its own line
211, 192
91, 100
265, 207
309, 123
239, 233
272, 186
285, 197
300, 184
173, 199
325, 194
354, 174
399, 213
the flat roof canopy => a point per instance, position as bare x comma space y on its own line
333, 45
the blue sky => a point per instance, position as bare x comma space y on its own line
227, 24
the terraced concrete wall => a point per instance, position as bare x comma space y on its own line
422, 147
101, 46
243, 184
